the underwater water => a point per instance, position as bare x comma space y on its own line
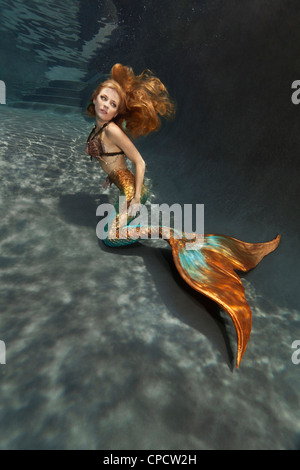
101, 343
109, 348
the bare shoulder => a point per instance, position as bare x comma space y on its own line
116, 135
112, 130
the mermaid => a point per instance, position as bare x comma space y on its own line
128, 104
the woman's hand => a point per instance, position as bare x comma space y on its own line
134, 206
106, 183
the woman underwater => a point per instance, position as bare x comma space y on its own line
129, 104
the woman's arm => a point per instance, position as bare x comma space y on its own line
119, 138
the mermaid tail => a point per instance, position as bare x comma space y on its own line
209, 270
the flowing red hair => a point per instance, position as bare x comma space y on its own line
143, 99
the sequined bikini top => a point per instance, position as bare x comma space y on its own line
94, 147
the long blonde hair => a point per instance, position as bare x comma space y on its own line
143, 99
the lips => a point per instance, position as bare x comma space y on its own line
102, 111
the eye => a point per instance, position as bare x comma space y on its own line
114, 105
103, 98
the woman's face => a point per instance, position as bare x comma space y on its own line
107, 104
